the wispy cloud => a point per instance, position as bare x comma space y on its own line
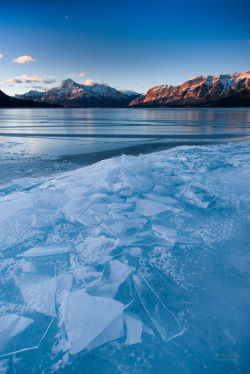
66, 17
24, 59
39, 88
25, 78
89, 82
1, 55
248, 42
73, 75
14, 81
30, 79
48, 80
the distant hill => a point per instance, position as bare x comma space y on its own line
72, 94
230, 90
31, 95
11, 102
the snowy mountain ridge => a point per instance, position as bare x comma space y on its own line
70, 93
204, 90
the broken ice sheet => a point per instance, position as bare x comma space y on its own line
64, 281
95, 250
64, 284
123, 230
39, 292
11, 325
90, 317
16, 229
194, 199
112, 332
47, 250
149, 208
166, 233
162, 318
162, 199
134, 329
114, 275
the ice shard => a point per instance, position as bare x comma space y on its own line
39, 292
134, 329
90, 316
11, 325
48, 250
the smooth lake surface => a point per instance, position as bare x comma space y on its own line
35, 142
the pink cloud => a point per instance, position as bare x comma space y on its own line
14, 81
73, 75
1, 55
30, 79
89, 82
27, 79
24, 59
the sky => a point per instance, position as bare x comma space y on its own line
127, 44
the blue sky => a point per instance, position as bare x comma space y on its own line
127, 44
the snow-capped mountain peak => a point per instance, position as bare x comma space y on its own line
68, 84
204, 90
70, 93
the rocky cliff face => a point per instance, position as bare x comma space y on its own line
206, 90
72, 94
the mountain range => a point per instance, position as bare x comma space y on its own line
11, 102
230, 90
72, 94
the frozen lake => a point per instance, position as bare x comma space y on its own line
132, 265
39, 141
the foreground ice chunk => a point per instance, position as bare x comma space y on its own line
113, 331
64, 282
162, 318
150, 208
134, 329
115, 274
170, 235
194, 199
11, 325
90, 317
39, 292
96, 249
46, 250
118, 272
147, 330
125, 230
